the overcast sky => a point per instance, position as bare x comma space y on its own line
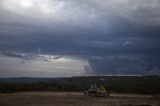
59, 38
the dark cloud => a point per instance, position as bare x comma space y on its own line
125, 65
123, 35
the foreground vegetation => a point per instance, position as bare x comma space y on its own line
116, 84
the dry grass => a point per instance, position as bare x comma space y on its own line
74, 99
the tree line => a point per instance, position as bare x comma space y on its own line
116, 84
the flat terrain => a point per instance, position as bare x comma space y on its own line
74, 99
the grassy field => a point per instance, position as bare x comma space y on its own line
74, 99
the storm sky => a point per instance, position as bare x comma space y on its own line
61, 38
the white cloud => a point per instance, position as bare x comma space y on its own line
126, 43
48, 12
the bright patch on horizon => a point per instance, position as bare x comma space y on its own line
42, 66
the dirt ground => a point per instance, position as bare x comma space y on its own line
74, 99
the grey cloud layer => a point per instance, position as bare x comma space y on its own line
86, 28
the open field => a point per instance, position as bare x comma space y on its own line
74, 99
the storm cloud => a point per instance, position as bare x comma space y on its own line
113, 37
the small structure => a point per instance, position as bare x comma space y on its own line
95, 91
